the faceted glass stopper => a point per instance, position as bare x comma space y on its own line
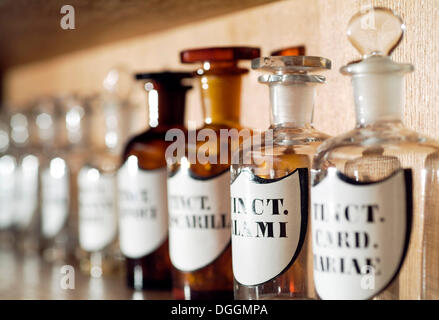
291, 64
290, 51
217, 54
375, 31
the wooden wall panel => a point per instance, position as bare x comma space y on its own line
318, 24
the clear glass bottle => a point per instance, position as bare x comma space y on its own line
370, 199
76, 128
55, 182
26, 204
271, 246
198, 189
143, 203
7, 185
97, 187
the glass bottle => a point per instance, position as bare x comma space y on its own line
198, 183
97, 187
26, 204
7, 184
271, 246
57, 230
143, 203
370, 200
76, 124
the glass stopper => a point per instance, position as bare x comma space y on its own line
291, 64
375, 31
289, 51
216, 54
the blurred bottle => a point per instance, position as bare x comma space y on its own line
7, 184
54, 180
26, 207
97, 183
76, 122
142, 183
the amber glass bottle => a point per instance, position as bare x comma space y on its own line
198, 183
143, 210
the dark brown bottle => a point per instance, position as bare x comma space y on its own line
198, 190
143, 213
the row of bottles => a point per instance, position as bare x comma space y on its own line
35, 177
223, 211
306, 216
51, 194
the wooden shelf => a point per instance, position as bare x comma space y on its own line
30, 30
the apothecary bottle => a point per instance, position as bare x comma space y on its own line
97, 185
142, 190
7, 184
372, 204
26, 182
54, 180
77, 128
198, 183
271, 248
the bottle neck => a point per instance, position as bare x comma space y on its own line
221, 98
166, 106
378, 98
292, 104
116, 125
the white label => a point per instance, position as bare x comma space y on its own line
268, 226
143, 209
199, 219
54, 198
7, 191
97, 209
26, 191
360, 234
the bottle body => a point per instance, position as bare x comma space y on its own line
199, 221
97, 191
7, 199
56, 232
388, 165
143, 211
199, 179
270, 220
26, 201
7, 186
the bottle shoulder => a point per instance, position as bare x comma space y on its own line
282, 142
217, 127
374, 153
103, 161
47, 156
396, 138
150, 146
277, 151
